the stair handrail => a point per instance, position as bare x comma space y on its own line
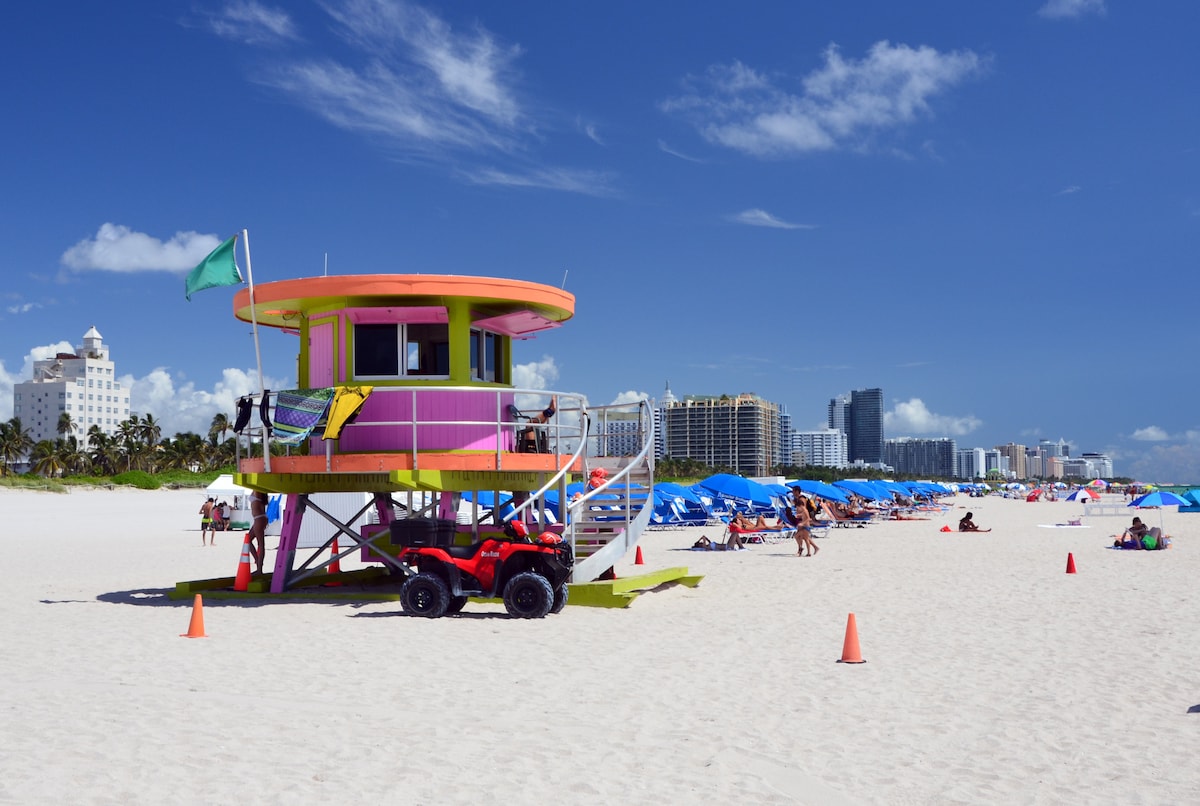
647, 423
575, 457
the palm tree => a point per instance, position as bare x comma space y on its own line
149, 430
128, 439
15, 442
220, 425
66, 425
45, 459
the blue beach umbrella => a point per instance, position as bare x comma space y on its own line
1159, 498
738, 490
820, 488
863, 489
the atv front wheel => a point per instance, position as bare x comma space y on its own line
528, 595
560, 599
425, 595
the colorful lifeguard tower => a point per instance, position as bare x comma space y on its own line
406, 393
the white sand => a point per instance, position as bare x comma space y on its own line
992, 676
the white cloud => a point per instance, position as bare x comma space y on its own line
24, 307
1067, 191
589, 183
841, 103
1061, 9
666, 149
536, 374
423, 86
1151, 433
913, 417
252, 23
629, 396
120, 249
761, 218
591, 131
179, 406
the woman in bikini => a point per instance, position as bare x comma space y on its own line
803, 521
258, 529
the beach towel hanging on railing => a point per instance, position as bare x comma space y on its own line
347, 400
298, 412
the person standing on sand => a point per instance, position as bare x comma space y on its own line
258, 529
206, 521
803, 521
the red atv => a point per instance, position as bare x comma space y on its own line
530, 575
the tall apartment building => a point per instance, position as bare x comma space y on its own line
737, 432
1016, 459
1102, 466
827, 448
921, 457
860, 415
81, 384
866, 426
970, 464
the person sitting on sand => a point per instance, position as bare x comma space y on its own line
968, 525
1141, 537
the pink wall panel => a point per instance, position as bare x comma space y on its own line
394, 407
320, 356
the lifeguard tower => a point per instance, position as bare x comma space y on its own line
406, 394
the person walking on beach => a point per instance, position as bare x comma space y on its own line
803, 521
258, 529
206, 510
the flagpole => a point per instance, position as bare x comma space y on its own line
262, 388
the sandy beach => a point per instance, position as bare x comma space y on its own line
992, 676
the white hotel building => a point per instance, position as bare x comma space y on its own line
81, 384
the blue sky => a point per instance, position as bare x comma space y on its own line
989, 210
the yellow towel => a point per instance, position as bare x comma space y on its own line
347, 400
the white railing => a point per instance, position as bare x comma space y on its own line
565, 431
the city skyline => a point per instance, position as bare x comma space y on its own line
788, 199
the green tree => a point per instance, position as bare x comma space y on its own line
15, 442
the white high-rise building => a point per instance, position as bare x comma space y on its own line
827, 448
82, 384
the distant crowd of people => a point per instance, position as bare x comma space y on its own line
214, 517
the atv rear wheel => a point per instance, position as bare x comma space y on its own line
456, 605
528, 595
425, 595
560, 599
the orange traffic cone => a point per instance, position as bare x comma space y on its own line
335, 567
196, 626
242, 581
850, 650
1070, 563
637, 559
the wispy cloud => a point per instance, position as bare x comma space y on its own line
418, 87
24, 307
118, 248
1067, 191
840, 106
1151, 433
666, 149
421, 85
761, 218
914, 417
591, 131
588, 183
1065, 9
251, 23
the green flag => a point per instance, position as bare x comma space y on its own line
218, 269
